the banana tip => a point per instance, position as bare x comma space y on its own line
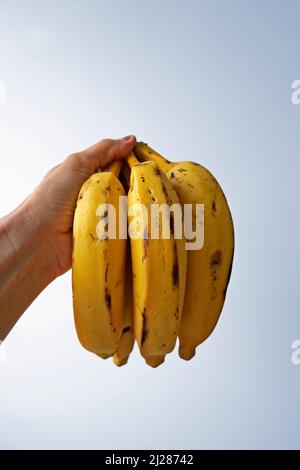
155, 361
186, 354
120, 362
104, 356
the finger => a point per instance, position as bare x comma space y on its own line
104, 152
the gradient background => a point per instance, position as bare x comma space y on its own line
208, 81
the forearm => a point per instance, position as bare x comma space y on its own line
26, 267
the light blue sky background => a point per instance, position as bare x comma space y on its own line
208, 81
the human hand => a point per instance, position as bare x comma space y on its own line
51, 206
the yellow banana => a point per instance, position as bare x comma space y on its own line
158, 265
208, 269
126, 342
98, 265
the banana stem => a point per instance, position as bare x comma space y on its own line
115, 167
132, 160
146, 153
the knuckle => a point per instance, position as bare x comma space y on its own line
107, 142
76, 160
51, 171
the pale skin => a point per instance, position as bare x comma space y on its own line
36, 238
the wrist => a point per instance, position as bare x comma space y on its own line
26, 266
29, 238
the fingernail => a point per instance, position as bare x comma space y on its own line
127, 138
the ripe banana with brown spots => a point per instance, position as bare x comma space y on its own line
158, 264
98, 272
208, 269
126, 341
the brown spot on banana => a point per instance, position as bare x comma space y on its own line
126, 329
104, 215
145, 330
145, 244
216, 258
107, 298
164, 190
175, 269
172, 224
215, 261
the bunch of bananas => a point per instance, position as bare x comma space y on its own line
149, 288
